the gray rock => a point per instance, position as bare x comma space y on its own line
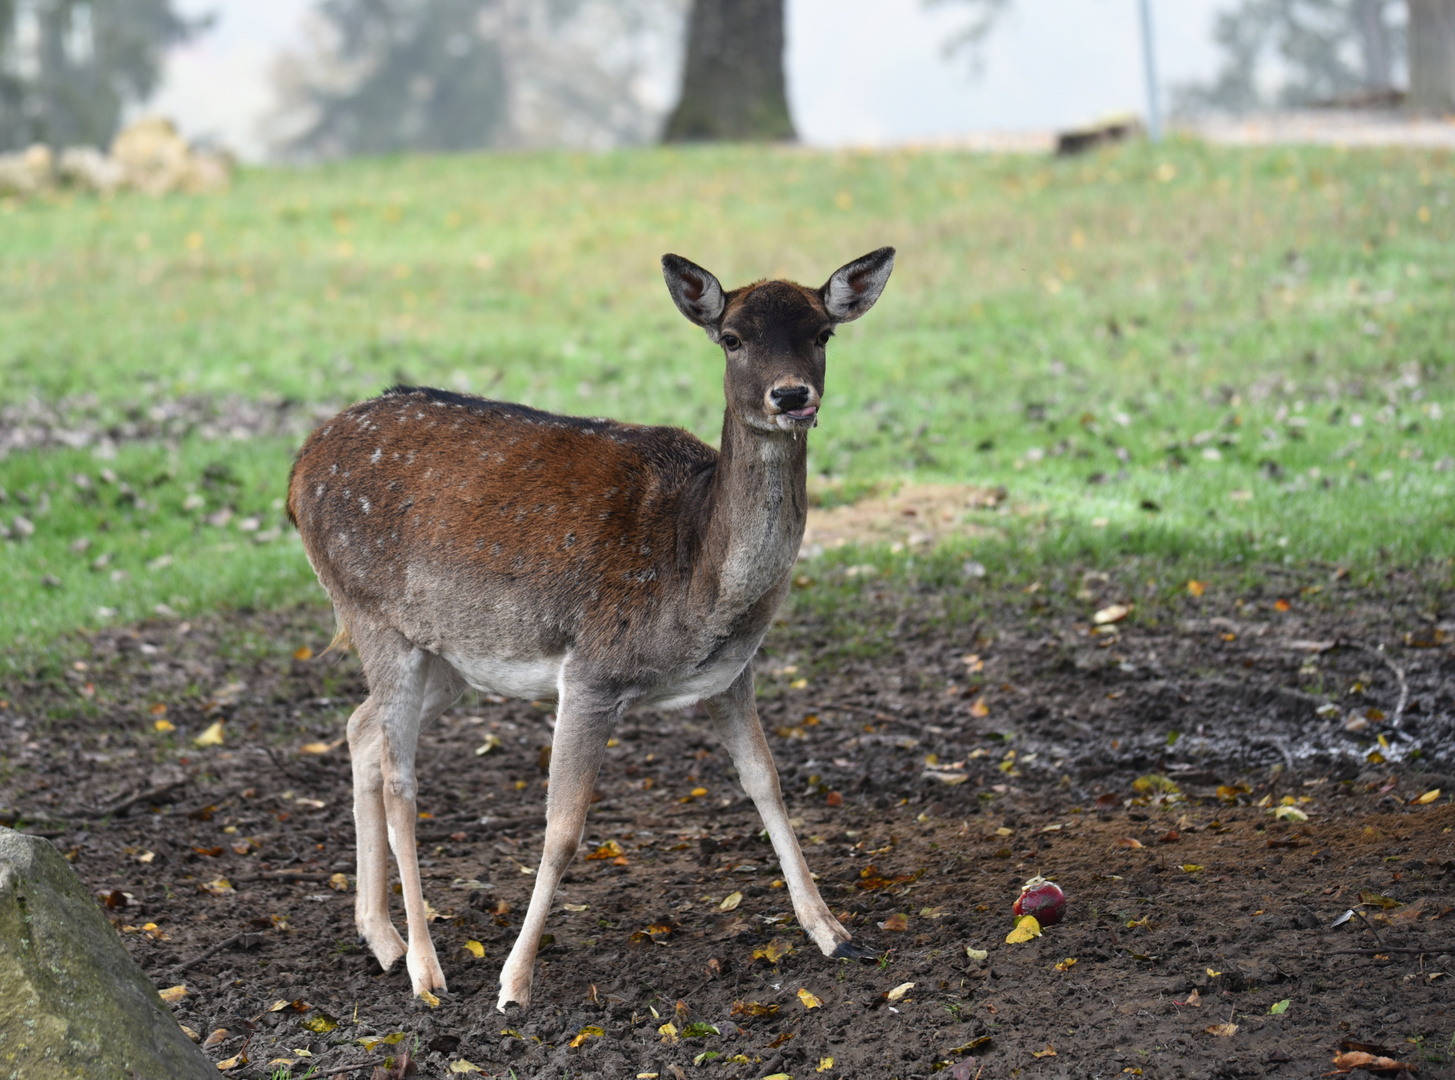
73, 1003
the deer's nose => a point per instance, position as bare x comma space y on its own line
789, 398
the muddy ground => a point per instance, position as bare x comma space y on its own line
931, 768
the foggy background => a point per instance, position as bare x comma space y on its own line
858, 71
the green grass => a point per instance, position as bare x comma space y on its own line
1252, 350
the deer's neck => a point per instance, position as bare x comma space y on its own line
756, 511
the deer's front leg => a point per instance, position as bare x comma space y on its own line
735, 715
579, 744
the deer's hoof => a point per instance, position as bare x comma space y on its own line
847, 950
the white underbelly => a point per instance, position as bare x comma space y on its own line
529, 679
694, 686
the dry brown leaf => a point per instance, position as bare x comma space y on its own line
218, 1036
1222, 1030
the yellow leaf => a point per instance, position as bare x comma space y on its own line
1289, 813
278, 1006
980, 710
1191, 867
429, 999
577, 907
1211, 974
1428, 797
609, 850
211, 737
1223, 1030
976, 954
774, 951
303, 652
463, 1066
339, 883
1194, 999
668, 1031
1067, 964
899, 991
315, 748
232, 1063
1196, 588
490, 743
321, 1024
1003, 831
730, 902
1026, 929
167, 725
173, 994
810, 1000
217, 886
476, 949
589, 1032
1050, 1051
189, 1032
824, 1064
699, 792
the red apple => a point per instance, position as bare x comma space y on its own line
1043, 899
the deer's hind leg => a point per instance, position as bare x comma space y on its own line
408, 688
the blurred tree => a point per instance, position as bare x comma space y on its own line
1432, 55
1330, 51
69, 67
984, 14
445, 75
732, 82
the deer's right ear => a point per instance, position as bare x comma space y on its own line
697, 294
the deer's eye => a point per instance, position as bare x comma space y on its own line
732, 341
823, 338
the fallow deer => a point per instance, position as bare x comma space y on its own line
607, 566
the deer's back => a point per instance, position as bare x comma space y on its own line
475, 527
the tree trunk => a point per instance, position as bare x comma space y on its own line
732, 82
1432, 55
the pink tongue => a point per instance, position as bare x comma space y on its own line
800, 414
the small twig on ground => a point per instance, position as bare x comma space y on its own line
209, 952
1404, 689
119, 808
1370, 925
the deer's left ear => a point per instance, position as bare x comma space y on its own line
695, 291
853, 288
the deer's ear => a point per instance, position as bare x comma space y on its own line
853, 288
697, 294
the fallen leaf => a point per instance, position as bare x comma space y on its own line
1191, 867
1211, 974
190, 1033
706, 1056
896, 921
282, 1062
321, 1024
1369, 896
1113, 613
429, 999
1428, 797
173, 994
1067, 964
1196, 588
279, 1005
218, 1036
1128, 842
1278, 1008
976, 954
1026, 928
1222, 1030
591, 1031
1156, 782
1290, 813
475, 949
774, 951
730, 902
463, 1066
753, 1008
212, 736
303, 652
232, 1063
167, 725
217, 886
897, 994
668, 1031
1362, 1059
316, 747
609, 850
699, 1029
810, 1000
491, 742
1050, 1051
836, 798
979, 709
577, 907
824, 1064
339, 883
1282, 605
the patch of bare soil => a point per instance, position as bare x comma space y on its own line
917, 516
1175, 775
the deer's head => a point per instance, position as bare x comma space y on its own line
775, 334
